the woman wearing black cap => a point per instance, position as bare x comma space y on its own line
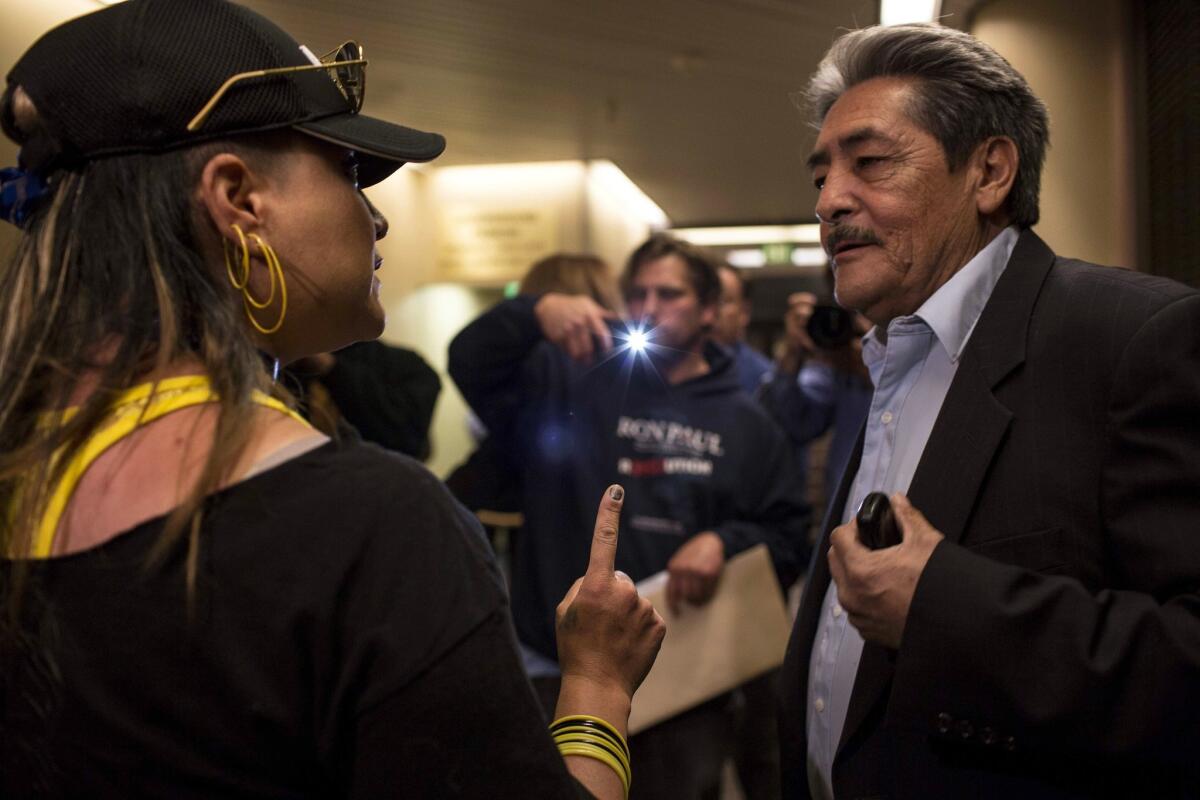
201, 595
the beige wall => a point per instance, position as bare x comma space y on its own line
613, 233
425, 311
1075, 55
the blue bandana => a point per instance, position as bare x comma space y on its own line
19, 193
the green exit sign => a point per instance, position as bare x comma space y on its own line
778, 253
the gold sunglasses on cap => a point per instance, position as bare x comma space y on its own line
346, 66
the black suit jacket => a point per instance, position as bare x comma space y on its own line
1052, 648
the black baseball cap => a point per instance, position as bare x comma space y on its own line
129, 78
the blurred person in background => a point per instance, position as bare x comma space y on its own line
574, 274
489, 479
811, 389
820, 383
200, 595
384, 393
707, 473
729, 331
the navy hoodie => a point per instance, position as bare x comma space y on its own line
693, 457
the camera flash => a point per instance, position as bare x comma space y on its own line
637, 340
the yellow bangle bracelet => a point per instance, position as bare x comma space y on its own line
591, 751
599, 736
587, 751
562, 738
588, 718
591, 730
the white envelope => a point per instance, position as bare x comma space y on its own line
739, 634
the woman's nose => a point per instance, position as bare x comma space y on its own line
381, 223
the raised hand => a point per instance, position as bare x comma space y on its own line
798, 345
608, 636
574, 323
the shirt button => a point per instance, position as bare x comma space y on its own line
819, 705
886, 418
837, 609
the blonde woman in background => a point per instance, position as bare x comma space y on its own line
574, 274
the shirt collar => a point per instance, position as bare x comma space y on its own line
953, 310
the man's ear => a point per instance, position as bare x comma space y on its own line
231, 193
996, 160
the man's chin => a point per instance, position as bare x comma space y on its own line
670, 351
853, 288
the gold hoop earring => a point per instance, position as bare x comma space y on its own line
245, 258
268, 254
275, 270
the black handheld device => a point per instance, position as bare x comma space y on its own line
877, 527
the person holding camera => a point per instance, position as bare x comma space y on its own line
820, 382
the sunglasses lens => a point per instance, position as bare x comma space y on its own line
351, 77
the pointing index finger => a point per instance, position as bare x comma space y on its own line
604, 538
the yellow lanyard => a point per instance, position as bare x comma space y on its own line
133, 408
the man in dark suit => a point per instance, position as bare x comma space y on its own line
1037, 631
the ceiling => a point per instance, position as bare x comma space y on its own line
691, 98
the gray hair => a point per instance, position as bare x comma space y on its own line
965, 93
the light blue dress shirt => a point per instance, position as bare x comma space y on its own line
911, 368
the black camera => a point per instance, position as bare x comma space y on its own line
830, 326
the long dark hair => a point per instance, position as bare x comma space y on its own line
109, 281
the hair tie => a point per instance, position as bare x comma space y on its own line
20, 192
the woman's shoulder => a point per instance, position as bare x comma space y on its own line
374, 536
357, 481
348, 464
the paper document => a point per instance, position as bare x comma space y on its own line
739, 634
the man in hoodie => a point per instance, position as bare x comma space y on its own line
582, 401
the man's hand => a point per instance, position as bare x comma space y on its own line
798, 345
876, 586
571, 322
693, 572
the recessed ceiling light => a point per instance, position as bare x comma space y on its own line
899, 12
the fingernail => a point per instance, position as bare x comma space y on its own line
616, 493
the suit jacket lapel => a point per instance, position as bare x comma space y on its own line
972, 422
818, 574
969, 428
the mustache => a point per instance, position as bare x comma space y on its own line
842, 233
